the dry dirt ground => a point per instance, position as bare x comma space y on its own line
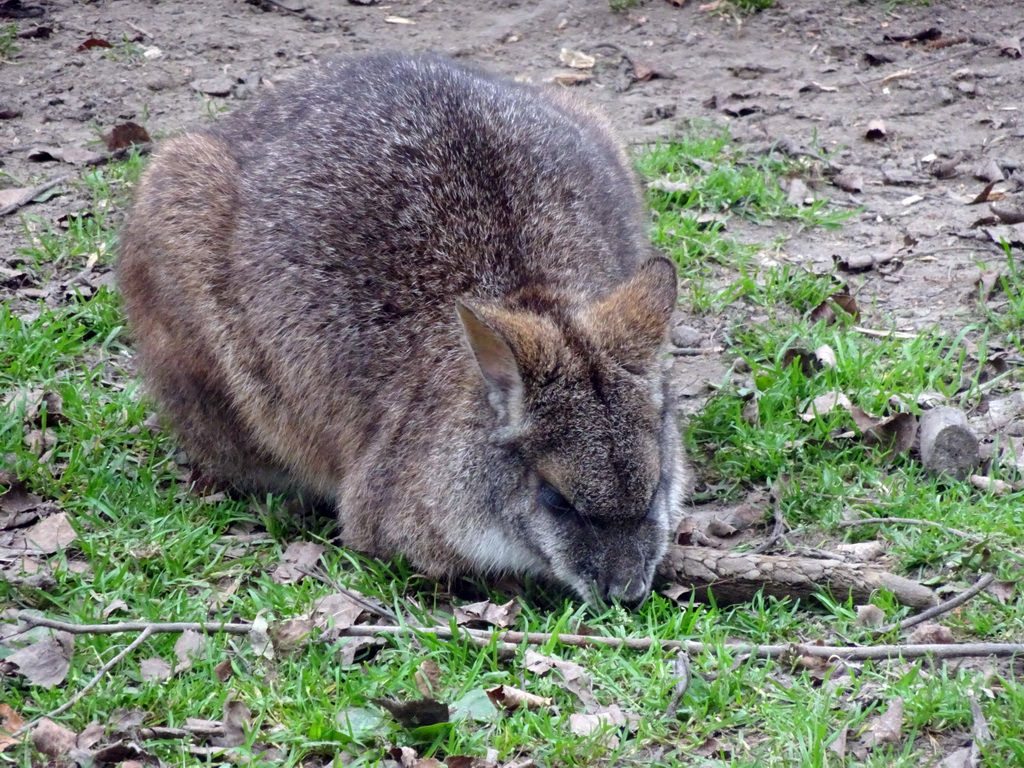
807, 77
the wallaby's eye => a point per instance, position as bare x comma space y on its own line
554, 501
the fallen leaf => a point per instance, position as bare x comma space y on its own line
983, 196
838, 744
93, 42
417, 713
824, 404
576, 59
237, 720
665, 185
825, 311
91, 735
1009, 47
53, 739
125, 135
1002, 591
10, 721
893, 435
509, 699
486, 613
114, 605
887, 728
428, 678
876, 131
931, 633
336, 612
644, 71
291, 634
849, 180
298, 558
988, 170
154, 670
259, 637
1007, 214
608, 718
46, 662
826, 356
190, 646
575, 678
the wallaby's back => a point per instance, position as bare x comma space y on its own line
292, 277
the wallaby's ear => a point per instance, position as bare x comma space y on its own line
510, 347
631, 323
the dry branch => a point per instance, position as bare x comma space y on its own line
482, 636
738, 576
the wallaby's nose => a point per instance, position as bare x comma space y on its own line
630, 589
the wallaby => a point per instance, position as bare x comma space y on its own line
425, 295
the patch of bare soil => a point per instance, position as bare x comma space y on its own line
919, 109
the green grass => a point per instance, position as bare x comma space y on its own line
168, 554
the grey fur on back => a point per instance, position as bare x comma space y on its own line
424, 294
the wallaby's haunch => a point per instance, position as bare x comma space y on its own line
426, 295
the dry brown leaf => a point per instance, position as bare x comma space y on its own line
45, 662
486, 613
237, 720
931, 633
10, 721
190, 646
876, 130
826, 310
53, 739
1002, 591
824, 404
575, 678
985, 195
849, 180
417, 713
125, 135
299, 558
838, 745
336, 612
1009, 47
291, 634
603, 720
154, 670
509, 699
428, 678
893, 435
887, 728
50, 535
93, 42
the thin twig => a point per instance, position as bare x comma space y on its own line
943, 607
352, 595
884, 333
695, 351
140, 30
485, 637
907, 72
31, 194
155, 627
911, 521
99, 675
681, 669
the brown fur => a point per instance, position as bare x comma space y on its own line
425, 295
